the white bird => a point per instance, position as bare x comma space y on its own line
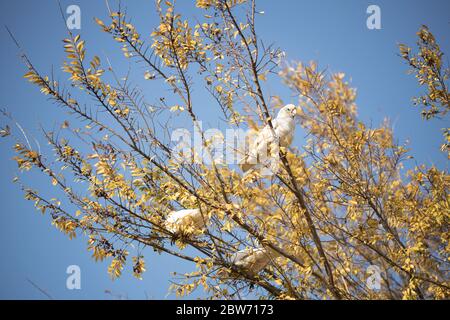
183, 219
283, 126
254, 260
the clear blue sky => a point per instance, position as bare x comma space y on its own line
332, 32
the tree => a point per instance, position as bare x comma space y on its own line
431, 73
337, 208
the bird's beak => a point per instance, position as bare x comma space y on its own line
293, 112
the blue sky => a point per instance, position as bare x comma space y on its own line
334, 33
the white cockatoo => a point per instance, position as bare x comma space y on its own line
182, 219
283, 127
253, 260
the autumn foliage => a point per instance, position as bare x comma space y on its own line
339, 204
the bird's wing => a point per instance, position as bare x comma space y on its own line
174, 216
199, 219
284, 129
181, 216
239, 257
257, 143
254, 260
261, 260
262, 143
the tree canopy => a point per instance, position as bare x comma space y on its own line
340, 209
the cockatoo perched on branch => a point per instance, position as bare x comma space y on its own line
183, 219
283, 126
254, 260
